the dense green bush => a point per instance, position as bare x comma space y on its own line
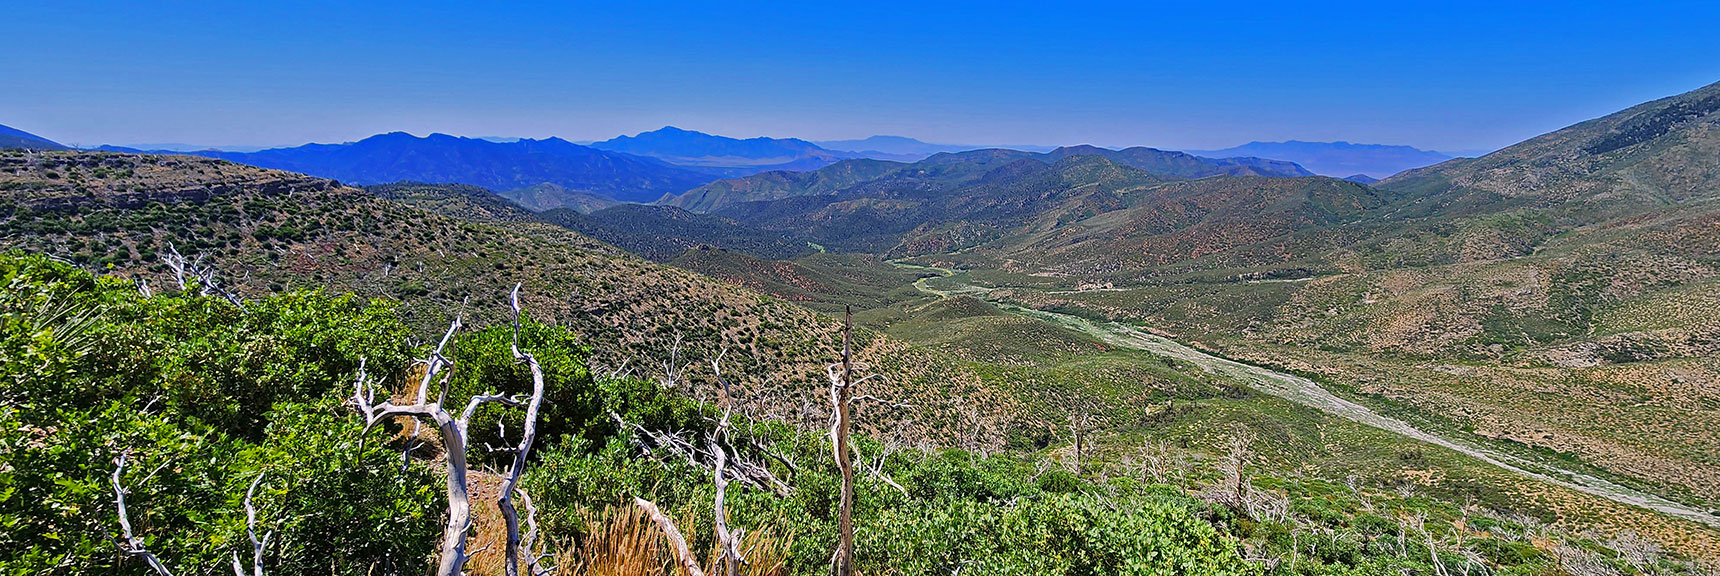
484, 364
203, 397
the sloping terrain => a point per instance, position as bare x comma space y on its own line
268, 231
1172, 165
942, 204
779, 185
549, 196
1555, 296
662, 232
823, 282
15, 138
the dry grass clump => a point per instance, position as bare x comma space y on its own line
622, 541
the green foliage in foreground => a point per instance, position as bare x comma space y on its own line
204, 397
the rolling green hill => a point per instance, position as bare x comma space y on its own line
267, 231
1555, 295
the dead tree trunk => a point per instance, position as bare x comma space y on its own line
729, 540
257, 545
454, 437
843, 396
523, 450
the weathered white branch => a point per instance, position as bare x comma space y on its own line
454, 432
257, 545
522, 451
679, 543
204, 276
454, 438
530, 540
132, 545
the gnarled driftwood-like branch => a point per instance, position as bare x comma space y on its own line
132, 545
257, 545
454, 432
676, 541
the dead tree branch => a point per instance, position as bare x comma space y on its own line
454, 432
841, 395
728, 541
679, 543
204, 276
523, 450
132, 545
257, 545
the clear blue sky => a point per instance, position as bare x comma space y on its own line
1441, 75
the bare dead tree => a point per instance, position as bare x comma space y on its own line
1636, 551
188, 271
841, 395
1235, 468
521, 451
1080, 422
673, 367
257, 545
875, 466
727, 540
1367, 503
1418, 522
730, 558
663, 446
132, 545
1579, 562
1236, 491
454, 433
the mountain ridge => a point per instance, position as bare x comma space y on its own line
397, 156
722, 155
946, 168
14, 138
1337, 159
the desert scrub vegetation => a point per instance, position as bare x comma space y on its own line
204, 399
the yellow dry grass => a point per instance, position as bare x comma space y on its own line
624, 542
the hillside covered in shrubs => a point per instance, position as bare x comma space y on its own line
213, 405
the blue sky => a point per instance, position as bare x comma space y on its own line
1441, 75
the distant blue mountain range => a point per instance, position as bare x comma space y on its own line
904, 149
1340, 159
641, 168
499, 166
724, 156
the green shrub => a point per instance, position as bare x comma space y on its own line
201, 397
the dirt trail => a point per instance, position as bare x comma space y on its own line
1309, 393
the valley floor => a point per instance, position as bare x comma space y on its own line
1694, 526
